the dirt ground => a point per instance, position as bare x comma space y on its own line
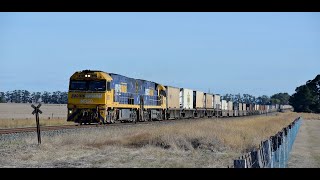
23, 111
306, 148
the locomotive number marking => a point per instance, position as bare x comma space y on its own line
86, 101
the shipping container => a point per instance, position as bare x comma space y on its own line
186, 98
230, 105
224, 105
208, 100
236, 106
252, 107
173, 97
244, 107
217, 101
240, 107
287, 107
198, 99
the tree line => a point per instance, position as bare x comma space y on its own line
307, 97
279, 98
58, 97
24, 96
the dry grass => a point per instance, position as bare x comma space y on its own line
308, 116
190, 143
13, 115
214, 135
23, 111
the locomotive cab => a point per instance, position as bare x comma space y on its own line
87, 96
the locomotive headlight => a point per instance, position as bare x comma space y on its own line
70, 111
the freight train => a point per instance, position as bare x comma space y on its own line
101, 97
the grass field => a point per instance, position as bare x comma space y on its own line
20, 115
191, 143
24, 111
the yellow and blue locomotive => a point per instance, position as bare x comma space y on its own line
101, 97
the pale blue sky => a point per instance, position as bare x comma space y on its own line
254, 53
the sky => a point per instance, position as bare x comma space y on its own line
221, 52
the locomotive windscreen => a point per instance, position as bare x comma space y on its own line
88, 85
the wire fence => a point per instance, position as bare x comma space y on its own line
272, 153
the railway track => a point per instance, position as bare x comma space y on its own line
43, 128
51, 128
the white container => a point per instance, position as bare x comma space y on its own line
186, 98
285, 107
217, 102
224, 105
240, 107
230, 105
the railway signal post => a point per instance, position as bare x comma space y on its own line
36, 111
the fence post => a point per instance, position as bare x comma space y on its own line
240, 163
285, 149
266, 146
255, 159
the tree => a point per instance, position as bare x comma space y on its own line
2, 97
275, 101
249, 99
302, 99
64, 98
16, 96
264, 100
46, 97
7, 95
238, 98
228, 97
25, 96
307, 97
280, 98
35, 97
